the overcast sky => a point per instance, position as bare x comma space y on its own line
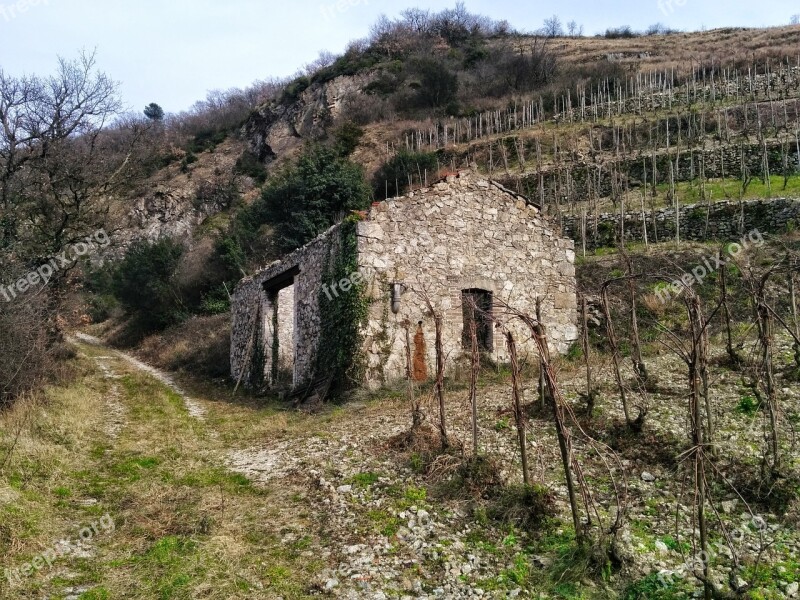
174, 51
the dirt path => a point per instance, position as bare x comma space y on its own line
194, 407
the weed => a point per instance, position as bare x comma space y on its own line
415, 495
523, 505
747, 406
652, 588
364, 480
502, 425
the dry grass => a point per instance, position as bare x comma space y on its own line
185, 526
42, 438
660, 52
200, 346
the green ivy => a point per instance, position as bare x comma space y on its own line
343, 316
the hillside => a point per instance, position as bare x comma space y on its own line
656, 459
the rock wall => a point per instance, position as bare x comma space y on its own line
461, 234
587, 178
286, 327
465, 233
286, 294
700, 222
281, 127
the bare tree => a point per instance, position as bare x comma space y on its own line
574, 30
59, 159
552, 27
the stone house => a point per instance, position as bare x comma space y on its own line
463, 242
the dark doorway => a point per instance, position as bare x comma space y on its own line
477, 307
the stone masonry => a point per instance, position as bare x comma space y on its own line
722, 221
462, 235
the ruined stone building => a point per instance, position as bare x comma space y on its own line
363, 287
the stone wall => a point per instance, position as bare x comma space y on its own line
716, 162
463, 233
700, 222
286, 326
269, 298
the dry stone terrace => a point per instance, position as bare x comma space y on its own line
464, 238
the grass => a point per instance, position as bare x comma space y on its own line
364, 480
185, 525
690, 192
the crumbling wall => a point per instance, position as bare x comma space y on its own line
261, 301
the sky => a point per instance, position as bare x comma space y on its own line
174, 51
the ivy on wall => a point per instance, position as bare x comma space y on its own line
257, 380
343, 315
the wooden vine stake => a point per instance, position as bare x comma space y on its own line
475, 367
696, 365
565, 447
519, 415
416, 409
439, 386
590, 391
723, 293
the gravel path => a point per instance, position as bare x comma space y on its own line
195, 408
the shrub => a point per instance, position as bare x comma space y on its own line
101, 307
292, 91
26, 354
216, 301
625, 31
217, 194
249, 165
143, 284
306, 198
438, 85
189, 159
346, 137
206, 140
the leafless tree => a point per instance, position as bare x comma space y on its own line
552, 27
574, 30
60, 158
